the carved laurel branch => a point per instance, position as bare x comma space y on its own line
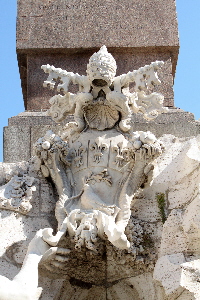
50, 143
102, 176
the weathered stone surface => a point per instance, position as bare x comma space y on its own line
51, 288
16, 138
168, 272
16, 194
190, 277
75, 290
33, 124
89, 24
7, 171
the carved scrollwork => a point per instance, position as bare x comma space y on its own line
61, 106
151, 105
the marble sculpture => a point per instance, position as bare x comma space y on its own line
97, 163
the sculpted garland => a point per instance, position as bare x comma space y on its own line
97, 163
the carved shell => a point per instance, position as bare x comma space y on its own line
101, 116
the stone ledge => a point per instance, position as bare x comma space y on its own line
27, 127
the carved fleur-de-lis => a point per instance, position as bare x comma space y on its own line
122, 154
99, 147
77, 154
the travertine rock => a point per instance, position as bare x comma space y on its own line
168, 272
177, 244
190, 277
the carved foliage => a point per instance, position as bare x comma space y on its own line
17, 193
47, 148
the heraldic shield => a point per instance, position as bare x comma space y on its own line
98, 162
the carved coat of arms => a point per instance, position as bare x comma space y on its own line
98, 162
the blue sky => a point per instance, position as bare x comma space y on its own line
187, 95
